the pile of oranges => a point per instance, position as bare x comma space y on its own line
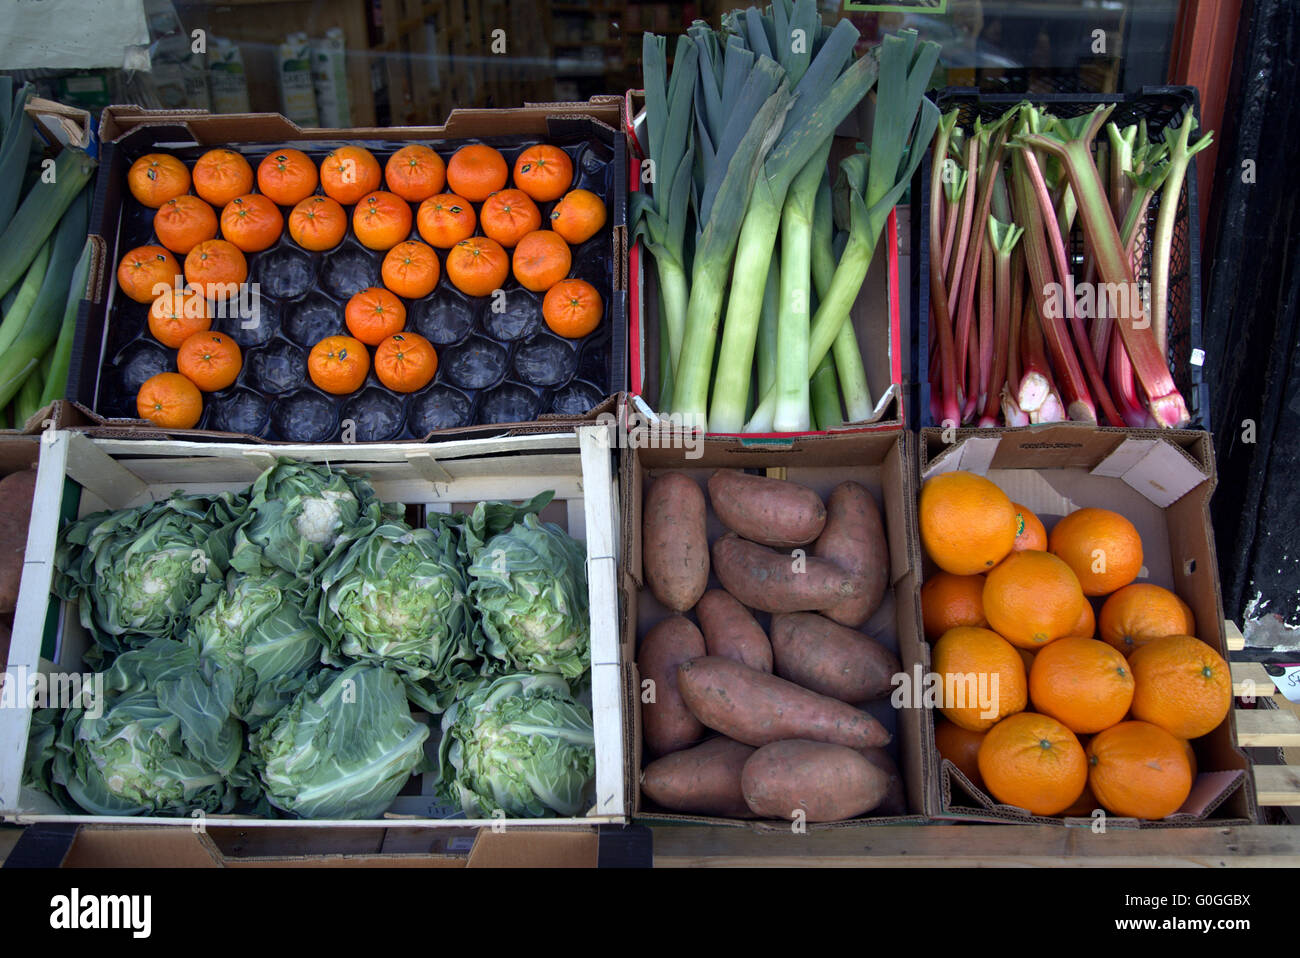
1092, 708
425, 197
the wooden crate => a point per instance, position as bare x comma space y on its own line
114, 473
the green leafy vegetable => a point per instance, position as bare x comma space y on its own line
519, 744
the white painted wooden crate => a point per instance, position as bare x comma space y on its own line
115, 473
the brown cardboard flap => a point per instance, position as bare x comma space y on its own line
129, 846
528, 848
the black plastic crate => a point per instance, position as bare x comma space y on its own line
494, 369
1159, 106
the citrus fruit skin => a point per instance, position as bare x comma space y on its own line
968, 524
1183, 686
1084, 684
1139, 770
948, 601
1033, 762
169, 400
1138, 613
1033, 598
1102, 547
978, 664
961, 747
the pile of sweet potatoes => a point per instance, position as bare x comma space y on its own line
742, 721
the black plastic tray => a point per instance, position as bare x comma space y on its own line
1159, 106
494, 368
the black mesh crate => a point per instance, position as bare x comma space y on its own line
1159, 106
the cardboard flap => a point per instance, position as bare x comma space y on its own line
1160, 472
974, 455
68, 125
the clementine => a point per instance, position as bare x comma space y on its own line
210, 360
177, 315
183, 222
544, 172
572, 308
1033, 762
445, 219
415, 173
477, 266
169, 400
578, 216
318, 223
156, 178
476, 172
411, 269
287, 176
508, 216
216, 268
373, 315
405, 362
146, 271
381, 220
349, 173
338, 364
220, 175
252, 222
541, 260
968, 524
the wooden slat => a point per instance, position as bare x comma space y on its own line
1236, 641
980, 845
1267, 728
1249, 679
1277, 785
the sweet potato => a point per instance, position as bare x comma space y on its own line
756, 708
762, 578
830, 658
895, 800
854, 539
667, 722
771, 511
704, 780
674, 541
827, 782
731, 632
16, 491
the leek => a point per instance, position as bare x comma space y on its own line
24, 295
823, 98
14, 153
765, 351
56, 383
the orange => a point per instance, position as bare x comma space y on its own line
405, 362
1140, 612
338, 364
411, 269
183, 222
572, 308
1033, 762
381, 220
156, 178
210, 360
446, 219
287, 176
978, 664
220, 175
476, 172
415, 173
1032, 598
1139, 771
349, 173
169, 400
1086, 627
177, 315
477, 266
145, 270
961, 747
508, 216
1086, 803
318, 223
1030, 533
1102, 547
252, 222
949, 600
578, 216
541, 260
544, 172
1183, 685
968, 524
216, 268
373, 315
1082, 683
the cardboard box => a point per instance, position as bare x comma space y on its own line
878, 460
126, 131
79, 475
121, 846
1161, 481
877, 314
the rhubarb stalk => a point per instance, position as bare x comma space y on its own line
1002, 239
1180, 154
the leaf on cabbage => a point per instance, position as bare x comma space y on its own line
343, 748
529, 586
136, 573
519, 744
302, 515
